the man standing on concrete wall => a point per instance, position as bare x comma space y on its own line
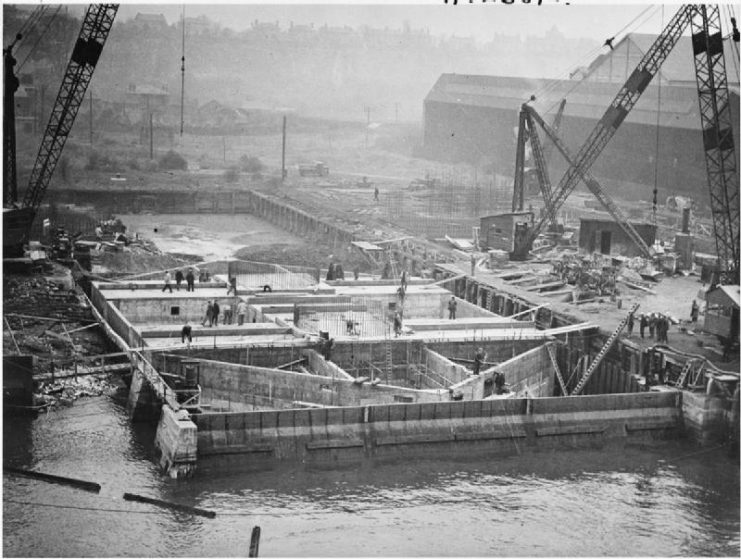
168, 280
186, 334
178, 279
452, 307
241, 312
227, 313
209, 315
217, 310
190, 280
478, 360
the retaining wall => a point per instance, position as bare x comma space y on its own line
439, 428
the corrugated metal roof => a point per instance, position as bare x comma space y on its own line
590, 98
731, 292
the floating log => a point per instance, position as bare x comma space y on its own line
165, 504
78, 483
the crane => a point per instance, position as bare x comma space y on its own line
718, 142
527, 132
17, 218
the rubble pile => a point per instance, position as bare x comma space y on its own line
65, 392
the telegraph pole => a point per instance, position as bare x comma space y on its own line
367, 124
151, 138
283, 155
182, 77
91, 118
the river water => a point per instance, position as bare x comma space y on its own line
666, 500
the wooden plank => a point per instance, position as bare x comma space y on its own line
334, 443
62, 480
165, 504
514, 433
570, 430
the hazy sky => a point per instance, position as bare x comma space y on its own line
482, 20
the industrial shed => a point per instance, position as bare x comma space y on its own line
607, 237
722, 311
473, 118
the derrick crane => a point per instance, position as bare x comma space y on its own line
87, 50
527, 132
717, 135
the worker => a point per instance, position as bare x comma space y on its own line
168, 279
665, 329
397, 323
499, 382
375, 194
695, 311
452, 307
190, 281
339, 273
227, 313
178, 279
401, 292
209, 314
241, 312
327, 348
651, 325
643, 323
232, 288
217, 310
330, 272
186, 334
356, 273
404, 279
630, 324
478, 360
473, 265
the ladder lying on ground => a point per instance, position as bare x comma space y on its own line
602, 352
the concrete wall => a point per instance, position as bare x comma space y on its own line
706, 416
443, 366
118, 323
159, 310
176, 443
243, 386
529, 374
463, 310
441, 428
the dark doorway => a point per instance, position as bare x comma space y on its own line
605, 241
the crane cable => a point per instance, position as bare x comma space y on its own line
658, 130
32, 19
630, 25
41, 36
182, 77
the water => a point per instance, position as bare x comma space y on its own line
664, 501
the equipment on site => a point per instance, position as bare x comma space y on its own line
720, 157
17, 218
315, 169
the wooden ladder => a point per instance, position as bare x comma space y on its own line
602, 352
552, 355
685, 371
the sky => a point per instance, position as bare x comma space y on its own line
573, 18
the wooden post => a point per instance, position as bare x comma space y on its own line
255, 542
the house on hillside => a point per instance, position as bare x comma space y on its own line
155, 22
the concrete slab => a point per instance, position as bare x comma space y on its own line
220, 341
421, 324
250, 329
204, 293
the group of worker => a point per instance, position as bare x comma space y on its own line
189, 277
657, 324
213, 310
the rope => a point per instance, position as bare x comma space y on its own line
658, 131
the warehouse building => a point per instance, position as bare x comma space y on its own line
474, 119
